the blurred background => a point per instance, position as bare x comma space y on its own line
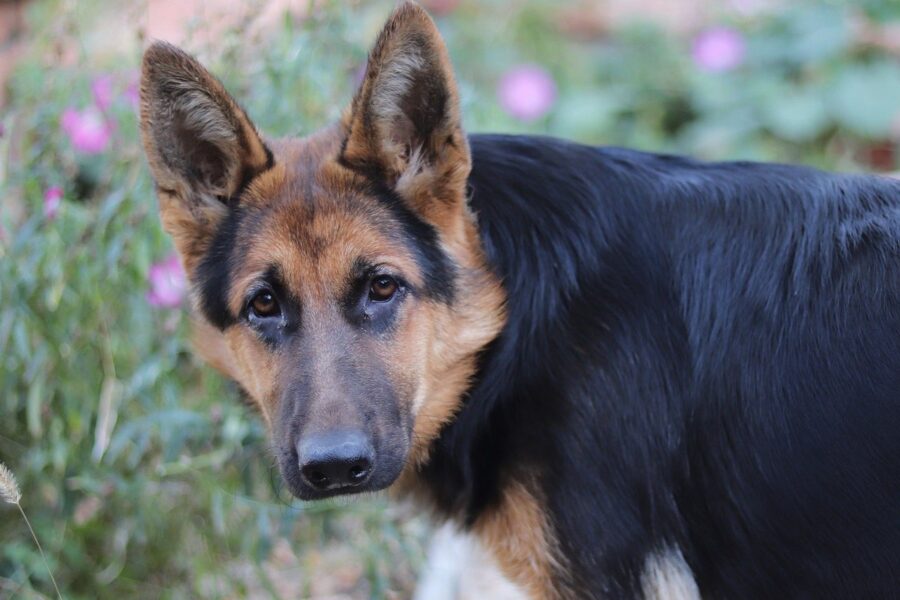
143, 474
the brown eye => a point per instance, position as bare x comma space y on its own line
264, 305
383, 288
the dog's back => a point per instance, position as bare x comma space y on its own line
701, 363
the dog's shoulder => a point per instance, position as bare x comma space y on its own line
689, 324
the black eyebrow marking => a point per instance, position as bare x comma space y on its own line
438, 269
213, 274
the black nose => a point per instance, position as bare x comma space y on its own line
335, 459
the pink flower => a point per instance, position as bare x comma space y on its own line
87, 129
52, 198
168, 283
527, 92
102, 90
718, 49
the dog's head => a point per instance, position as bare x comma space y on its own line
338, 278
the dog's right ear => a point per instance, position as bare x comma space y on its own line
201, 146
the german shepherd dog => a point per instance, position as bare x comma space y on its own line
625, 374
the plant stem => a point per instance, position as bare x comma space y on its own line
41, 550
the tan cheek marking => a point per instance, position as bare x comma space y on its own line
236, 354
456, 335
255, 370
518, 535
443, 381
210, 344
667, 576
405, 354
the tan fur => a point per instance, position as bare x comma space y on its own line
237, 356
209, 344
518, 535
435, 349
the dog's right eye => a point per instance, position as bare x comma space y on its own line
383, 288
264, 305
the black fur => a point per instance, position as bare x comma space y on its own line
703, 356
213, 276
437, 267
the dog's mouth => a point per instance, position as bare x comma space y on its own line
304, 491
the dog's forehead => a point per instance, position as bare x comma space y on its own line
314, 220
308, 175
309, 194
334, 229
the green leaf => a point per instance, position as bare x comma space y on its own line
587, 113
33, 407
796, 114
866, 99
818, 33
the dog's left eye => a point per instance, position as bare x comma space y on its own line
383, 288
264, 305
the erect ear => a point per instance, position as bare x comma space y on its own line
404, 124
201, 146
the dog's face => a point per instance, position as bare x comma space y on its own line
338, 278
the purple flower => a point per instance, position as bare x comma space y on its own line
527, 92
102, 91
87, 129
718, 49
52, 198
168, 283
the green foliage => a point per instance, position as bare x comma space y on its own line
143, 473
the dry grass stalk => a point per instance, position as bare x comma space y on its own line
9, 487
10, 492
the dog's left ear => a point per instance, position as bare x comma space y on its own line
404, 124
201, 147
